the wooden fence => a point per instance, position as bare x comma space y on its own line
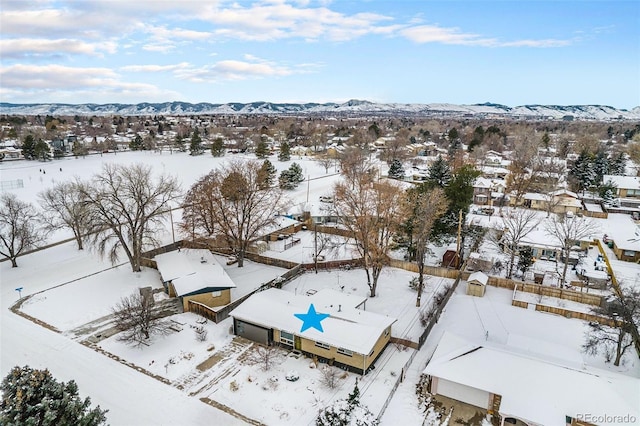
565, 312
438, 271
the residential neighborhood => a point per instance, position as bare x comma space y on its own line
258, 273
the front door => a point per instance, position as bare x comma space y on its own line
297, 343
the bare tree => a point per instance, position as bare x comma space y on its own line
521, 170
515, 226
234, 203
396, 148
356, 166
64, 207
329, 376
136, 319
569, 231
422, 207
265, 356
372, 212
325, 161
126, 207
19, 227
623, 310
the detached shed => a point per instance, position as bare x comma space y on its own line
477, 283
196, 277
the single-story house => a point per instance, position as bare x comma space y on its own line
477, 284
352, 338
196, 277
625, 234
560, 201
627, 186
525, 389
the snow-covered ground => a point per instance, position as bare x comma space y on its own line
71, 288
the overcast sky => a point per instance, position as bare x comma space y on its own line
406, 51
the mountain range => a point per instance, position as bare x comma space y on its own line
352, 107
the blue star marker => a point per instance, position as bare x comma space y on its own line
311, 319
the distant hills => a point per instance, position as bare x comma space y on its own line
351, 108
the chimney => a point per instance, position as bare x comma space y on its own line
339, 308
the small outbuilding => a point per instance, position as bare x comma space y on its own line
477, 283
196, 277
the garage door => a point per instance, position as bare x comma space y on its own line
466, 394
252, 332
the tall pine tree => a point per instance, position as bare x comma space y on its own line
34, 397
285, 152
396, 171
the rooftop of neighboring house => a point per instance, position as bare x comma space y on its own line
190, 270
538, 389
623, 182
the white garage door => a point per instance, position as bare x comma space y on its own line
466, 394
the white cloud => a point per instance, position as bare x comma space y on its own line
58, 77
25, 47
436, 34
251, 67
155, 68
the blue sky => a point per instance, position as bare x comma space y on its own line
405, 51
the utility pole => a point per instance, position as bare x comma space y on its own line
315, 246
459, 232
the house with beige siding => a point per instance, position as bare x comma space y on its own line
523, 388
196, 277
352, 338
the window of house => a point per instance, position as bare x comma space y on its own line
286, 338
323, 345
629, 253
386, 332
216, 293
345, 352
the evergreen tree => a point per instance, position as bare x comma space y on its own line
617, 164
440, 173
459, 193
291, 177
262, 150
546, 140
195, 148
607, 191
285, 152
179, 143
347, 412
42, 150
354, 396
136, 143
217, 147
600, 166
267, 174
296, 173
396, 171
34, 397
285, 180
525, 258
29, 147
582, 173
478, 137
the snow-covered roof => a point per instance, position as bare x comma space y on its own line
534, 389
190, 270
478, 277
623, 182
566, 192
346, 327
623, 231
